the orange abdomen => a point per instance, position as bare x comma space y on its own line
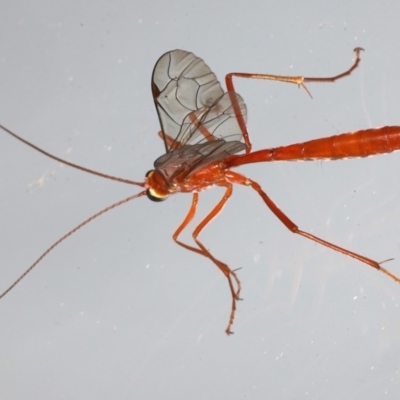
362, 143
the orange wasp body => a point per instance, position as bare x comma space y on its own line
203, 129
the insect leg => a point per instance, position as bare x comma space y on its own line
182, 226
204, 252
240, 179
298, 80
223, 267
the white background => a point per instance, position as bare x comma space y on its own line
118, 311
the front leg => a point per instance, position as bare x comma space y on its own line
204, 252
222, 266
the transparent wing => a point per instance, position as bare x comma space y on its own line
191, 104
188, 159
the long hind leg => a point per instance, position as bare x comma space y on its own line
240, 179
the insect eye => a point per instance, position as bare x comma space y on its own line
152, 197
156, 187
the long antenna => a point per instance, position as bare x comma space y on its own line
55, 244
90, 171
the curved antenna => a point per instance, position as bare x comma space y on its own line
90, 171
55, 244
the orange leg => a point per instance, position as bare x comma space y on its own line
234, 177
298, 80
204, 252
182, 226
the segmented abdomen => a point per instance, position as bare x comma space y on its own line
362, 143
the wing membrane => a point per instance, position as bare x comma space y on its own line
191, 104
191, 158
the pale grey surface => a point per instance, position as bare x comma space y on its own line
118, 310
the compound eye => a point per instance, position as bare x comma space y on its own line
153, 196
156, 190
